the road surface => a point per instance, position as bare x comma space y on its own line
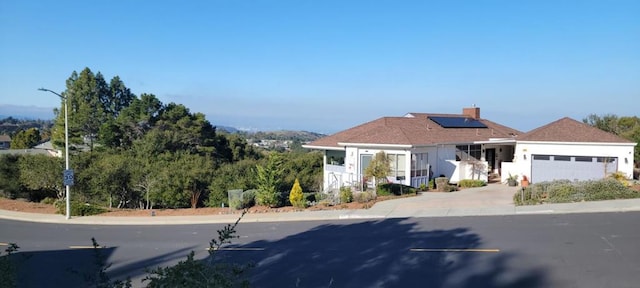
571, 250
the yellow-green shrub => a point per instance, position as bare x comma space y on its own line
296, 196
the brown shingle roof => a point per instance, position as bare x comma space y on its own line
418, 130
569, 130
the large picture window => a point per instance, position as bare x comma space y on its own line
468, 152
420, 165
397, 162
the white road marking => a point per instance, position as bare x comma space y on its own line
454, 250
236, 249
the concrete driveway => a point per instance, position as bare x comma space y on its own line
493, 199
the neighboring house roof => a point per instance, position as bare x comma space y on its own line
25, 152
569, 130
5, 138
414, 129
46, 145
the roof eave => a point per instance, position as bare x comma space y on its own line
575, 143
323, 147
376, 145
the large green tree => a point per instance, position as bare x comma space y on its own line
26, 139
42, 173
91, 103
627, 127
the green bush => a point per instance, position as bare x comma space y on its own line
79, 208
247, 200
346, 196
269, 198
217, 198
363, 197
423, 187
432, 184
48, 200
565, 191
469, 183
395, 189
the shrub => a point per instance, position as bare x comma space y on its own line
48, 200
247, 200
563, 191
469, 183
363, 197
441, 183
395, 189
296, 197
346, 196
608, 189
423, 187
217, 198
79, 208
432, 184
620, 177
268, 198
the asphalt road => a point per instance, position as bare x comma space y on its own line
571, 250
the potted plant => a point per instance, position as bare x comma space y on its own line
512, 180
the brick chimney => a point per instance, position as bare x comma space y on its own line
473, 112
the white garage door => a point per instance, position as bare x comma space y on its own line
556, 167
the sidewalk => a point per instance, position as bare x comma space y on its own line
494, 199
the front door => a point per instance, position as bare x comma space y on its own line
491, 159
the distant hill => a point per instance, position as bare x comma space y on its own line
227, 129
302, 136
26, 112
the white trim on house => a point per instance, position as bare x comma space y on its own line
579, 143
405, 146
323, 147
497, 141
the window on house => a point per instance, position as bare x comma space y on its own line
468, 152
561, 158
420, 165
397, 162
584, 159
541, 157
607, 159
335, 157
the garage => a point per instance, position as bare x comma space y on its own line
555, 167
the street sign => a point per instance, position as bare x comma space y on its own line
67, 178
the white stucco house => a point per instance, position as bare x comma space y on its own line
422, 146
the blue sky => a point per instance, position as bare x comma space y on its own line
326, 66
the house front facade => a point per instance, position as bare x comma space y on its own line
568, 149
422, 146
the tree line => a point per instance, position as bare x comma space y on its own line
627, 127
134, 151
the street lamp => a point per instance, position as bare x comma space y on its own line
68, 174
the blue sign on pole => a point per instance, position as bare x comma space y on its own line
68, 177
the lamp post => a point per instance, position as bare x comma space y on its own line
68, 174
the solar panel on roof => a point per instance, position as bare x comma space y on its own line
457, 122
